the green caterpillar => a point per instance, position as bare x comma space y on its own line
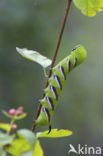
56, 83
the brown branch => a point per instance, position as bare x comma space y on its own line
54, 58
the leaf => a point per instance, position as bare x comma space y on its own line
4, 126
18, 146
89, 7
28, 153
54, 133
5, 139
20, 117
34, 56
2, 152
28, 135
38, 149
24, 145
6, 114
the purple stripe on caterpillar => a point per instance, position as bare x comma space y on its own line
50, 102
52, 88
68, 65
45, 110
62, 72
58, 81
75, 61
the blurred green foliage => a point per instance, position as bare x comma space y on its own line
35, 24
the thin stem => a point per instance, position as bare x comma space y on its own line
11, 123
54, 57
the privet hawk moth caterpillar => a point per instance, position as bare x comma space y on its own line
56, 83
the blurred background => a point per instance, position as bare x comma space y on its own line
35, 24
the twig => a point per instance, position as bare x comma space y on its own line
54, 57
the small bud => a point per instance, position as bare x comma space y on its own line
12, 112
13, 127
19, 113
20, 108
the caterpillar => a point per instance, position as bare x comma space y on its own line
56, 83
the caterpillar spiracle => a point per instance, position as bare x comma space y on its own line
56, 82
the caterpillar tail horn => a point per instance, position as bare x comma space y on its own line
49, 129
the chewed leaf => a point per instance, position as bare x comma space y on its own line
55, 133
38, 149
89, 7
34, 56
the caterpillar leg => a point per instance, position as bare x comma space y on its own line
49, 129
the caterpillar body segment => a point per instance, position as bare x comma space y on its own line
55, 80
48, 102
56, 83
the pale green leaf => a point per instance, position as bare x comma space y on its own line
89, 7
38, 149
2, 152
18, 146
28, 153
29, 139
34, 56
28, 135
5, 126
55, 133
5, 139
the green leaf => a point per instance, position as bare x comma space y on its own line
6, 114
38, 149
34, 56
2, 152
5, 139
5, 126
28, 135
89, 7
18, 146
54, 133
24, 145
20, 117
28, 153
